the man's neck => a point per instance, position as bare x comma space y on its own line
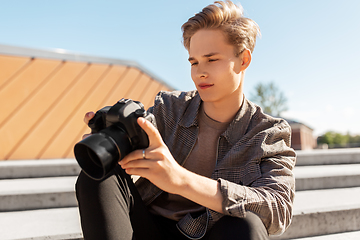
223, 112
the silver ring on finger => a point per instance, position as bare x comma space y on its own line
143, 154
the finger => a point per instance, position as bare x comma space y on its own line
134, 155
88, 116
86, 135
138, 155
139, 163
153, 134
142, 172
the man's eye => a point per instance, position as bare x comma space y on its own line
213, 60
194, 63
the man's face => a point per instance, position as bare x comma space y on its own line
215, 70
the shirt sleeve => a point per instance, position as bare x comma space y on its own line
271, 194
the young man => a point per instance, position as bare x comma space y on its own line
217, 167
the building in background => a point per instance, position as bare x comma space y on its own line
301, 136
45, 94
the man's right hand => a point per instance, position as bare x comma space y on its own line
88, 116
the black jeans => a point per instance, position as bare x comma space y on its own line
113, 209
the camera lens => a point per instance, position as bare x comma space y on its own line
94, 154
98, 154
93, 157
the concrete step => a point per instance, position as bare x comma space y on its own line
338, 236
328, 157
327, 176
316, 212
37, 193
38, 168
324, 212
60, 223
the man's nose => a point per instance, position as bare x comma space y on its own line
201, 72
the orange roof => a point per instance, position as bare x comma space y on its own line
44, 96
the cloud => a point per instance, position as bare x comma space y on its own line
349, 112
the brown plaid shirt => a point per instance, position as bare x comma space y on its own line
254, 162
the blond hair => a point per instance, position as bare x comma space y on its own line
241, 32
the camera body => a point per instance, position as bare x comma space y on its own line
115, 133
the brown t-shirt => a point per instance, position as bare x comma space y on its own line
202, 160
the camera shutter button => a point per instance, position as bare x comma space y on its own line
139, 112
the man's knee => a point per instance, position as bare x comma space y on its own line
82, 185
256, 227
88, 188
248, 228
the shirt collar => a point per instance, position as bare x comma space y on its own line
190, 116
237, 127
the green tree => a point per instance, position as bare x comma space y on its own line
269, 98
326, 138
333, 138
354, 138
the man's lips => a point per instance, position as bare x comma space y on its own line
205, 85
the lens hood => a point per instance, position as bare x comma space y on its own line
95, 155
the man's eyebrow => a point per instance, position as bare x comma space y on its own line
205, 56
191, 59
210, 55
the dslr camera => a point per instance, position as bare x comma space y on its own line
115, 133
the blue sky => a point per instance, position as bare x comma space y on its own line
309, 48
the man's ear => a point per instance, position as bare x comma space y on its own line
245, 58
